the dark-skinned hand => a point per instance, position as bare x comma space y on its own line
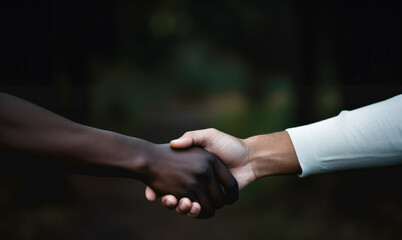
193, 173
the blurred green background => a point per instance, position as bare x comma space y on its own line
156, 69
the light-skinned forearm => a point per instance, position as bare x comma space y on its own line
272, 154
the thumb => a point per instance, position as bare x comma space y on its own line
200, 138
184, 141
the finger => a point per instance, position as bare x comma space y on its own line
184, 206
195, 210
169, 201
216, 193
207, 211
229, 183
150, 194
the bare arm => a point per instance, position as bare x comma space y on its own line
30, 129
366, 137
27, 128
272, 154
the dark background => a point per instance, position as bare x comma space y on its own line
155, 69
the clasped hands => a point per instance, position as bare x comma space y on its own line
191, 169
215, 186
196, 174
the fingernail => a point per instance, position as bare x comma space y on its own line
192, 211
169, 203
182, 207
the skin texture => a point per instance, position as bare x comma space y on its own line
191, 173
247, 159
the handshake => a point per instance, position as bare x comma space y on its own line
204, 170
199, 176
200, 181
198, 173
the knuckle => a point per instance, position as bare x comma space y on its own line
213, 130
188, 134
203, 170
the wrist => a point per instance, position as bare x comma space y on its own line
110, 154
133, 157
272, 154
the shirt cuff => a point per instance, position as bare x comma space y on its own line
306, 154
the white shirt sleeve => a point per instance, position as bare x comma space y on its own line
370, 136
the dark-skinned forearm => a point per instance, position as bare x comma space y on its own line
34, 131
